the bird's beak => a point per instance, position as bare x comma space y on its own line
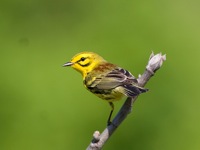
68, 64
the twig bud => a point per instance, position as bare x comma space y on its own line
155, 62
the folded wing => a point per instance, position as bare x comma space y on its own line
118, 78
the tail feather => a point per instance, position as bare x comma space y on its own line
131, 90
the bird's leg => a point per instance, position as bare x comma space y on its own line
112, 109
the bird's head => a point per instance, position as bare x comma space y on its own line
85, 62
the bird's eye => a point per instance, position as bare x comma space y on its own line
83, 58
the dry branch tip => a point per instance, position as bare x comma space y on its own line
155, 62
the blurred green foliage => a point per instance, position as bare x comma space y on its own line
45, 107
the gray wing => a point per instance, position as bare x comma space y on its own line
118, 78
114, 79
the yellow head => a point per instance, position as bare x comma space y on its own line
85, 62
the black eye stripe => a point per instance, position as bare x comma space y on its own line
82, 59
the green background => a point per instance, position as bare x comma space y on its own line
44, 106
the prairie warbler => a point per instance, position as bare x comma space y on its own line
104, 79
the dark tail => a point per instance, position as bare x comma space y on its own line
132, 90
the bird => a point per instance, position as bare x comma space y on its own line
104, 79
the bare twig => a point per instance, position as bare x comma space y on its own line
155, 62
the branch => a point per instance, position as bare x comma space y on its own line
155, 62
